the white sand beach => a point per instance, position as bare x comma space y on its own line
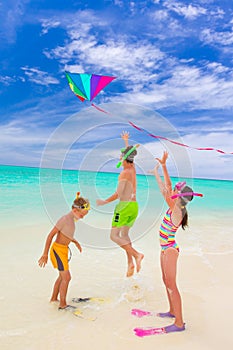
30, 322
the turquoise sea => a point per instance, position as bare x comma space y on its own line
34, 196
32, 199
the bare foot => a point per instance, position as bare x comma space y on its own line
54, 301
130, 271
138, 261
62, 306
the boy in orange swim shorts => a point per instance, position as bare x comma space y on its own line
64, 232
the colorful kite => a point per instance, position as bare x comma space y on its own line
88, 86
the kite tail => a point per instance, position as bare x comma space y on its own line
178, 143
100, 109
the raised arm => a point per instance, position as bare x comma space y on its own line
166, 186
158, 178
167, 180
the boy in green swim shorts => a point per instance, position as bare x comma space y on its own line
64, 231
126, 210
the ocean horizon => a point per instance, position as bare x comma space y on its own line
106, 172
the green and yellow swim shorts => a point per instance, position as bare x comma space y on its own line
125, 214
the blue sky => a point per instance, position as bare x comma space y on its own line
170, 57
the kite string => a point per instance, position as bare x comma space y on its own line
99, 109
177, 143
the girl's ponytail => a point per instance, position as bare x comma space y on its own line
184, 201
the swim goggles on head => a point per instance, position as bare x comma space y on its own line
85, 206
184, 194
179, 186
126, 155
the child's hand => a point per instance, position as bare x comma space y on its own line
163, 160
100, 202
43, 260
125, 135
78, 246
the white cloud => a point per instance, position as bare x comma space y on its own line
187, 88
160, 15
22, 143
48, 24
20, 133
39, 77
189, 12
217, 13
119, 3
116, 56
218, 67
208, 125
210, 36
6, 80
77, 24
74, 68
11, 18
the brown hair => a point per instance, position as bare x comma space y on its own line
79, 201
131, 156
184, 201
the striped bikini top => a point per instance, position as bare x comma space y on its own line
167, 232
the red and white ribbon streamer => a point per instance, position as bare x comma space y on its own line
178, 143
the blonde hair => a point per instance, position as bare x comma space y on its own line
79, 202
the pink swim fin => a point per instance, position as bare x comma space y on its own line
143, 332
141, 313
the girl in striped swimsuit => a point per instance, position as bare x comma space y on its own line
175, 217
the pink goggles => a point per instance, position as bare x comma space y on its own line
179, 186
184, 194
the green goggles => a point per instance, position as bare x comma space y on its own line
126, 155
